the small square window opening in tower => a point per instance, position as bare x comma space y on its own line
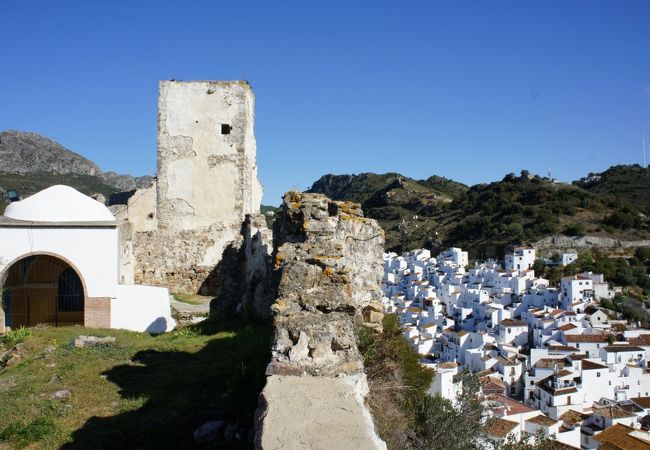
225, 128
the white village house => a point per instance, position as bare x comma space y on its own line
59, 265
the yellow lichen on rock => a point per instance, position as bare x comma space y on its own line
279, 260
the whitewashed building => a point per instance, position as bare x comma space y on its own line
522, 258
59, 261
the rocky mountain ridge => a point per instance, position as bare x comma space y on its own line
30, 154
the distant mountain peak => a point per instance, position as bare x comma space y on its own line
30, 162
25, 152
29, 153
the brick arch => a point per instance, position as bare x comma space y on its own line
5, 271
65, 263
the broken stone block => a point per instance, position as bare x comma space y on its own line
300, 351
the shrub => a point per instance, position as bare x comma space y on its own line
396, 378
35, 431
14, 337
577, 229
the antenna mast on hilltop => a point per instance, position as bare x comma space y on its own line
643, 144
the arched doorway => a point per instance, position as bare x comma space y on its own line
42, 289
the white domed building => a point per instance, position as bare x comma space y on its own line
59, 264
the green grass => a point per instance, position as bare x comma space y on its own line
141, 392
193, 299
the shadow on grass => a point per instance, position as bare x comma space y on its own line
180, 391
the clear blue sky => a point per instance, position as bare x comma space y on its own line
467, 90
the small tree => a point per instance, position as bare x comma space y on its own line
538, 267
437, 423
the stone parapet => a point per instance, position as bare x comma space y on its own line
327, 269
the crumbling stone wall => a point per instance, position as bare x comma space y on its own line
328, 269
177, 259
244, 273
327, 272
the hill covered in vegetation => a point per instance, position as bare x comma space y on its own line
404, 207
486, 218
629, 184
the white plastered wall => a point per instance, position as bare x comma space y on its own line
92, 251
142, 308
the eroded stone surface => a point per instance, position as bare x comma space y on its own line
315, 413
327, 271
327, 268
578, 243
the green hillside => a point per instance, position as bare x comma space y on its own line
405, 208
523, 209
485, 218
629, 184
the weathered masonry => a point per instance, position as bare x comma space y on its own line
177, 230
327, 271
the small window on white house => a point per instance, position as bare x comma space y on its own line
225, 128
598, 374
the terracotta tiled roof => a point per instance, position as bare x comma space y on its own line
630, 408
514, 407
590, 365
622, 348
448, 365
618, 436
499, 428
563, 373
573, 417
549, 363
567, 327
613, 412
491, 387
642, 340
562, 348
586, 338
643, 402
542, 420
513, 323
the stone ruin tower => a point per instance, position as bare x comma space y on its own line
176, 230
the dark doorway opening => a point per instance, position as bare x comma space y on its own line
42, 289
